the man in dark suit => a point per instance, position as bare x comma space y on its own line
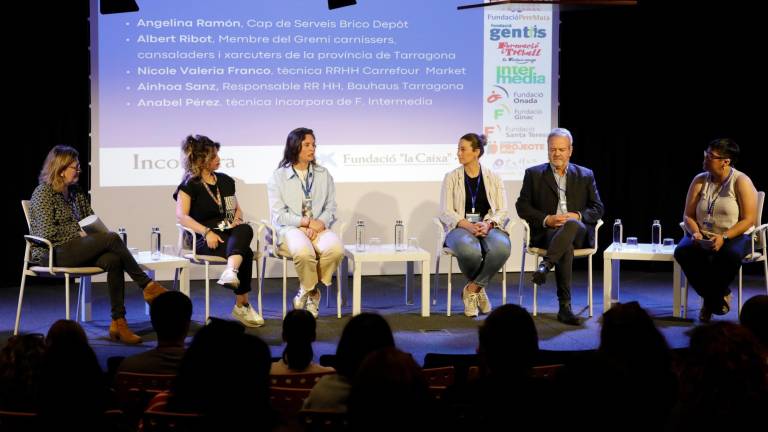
560, 202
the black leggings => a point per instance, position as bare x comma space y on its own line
107, 251
710, 273
237, 241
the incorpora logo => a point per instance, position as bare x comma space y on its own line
497, 33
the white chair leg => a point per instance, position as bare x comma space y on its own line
738, 299
66, 295
589, 285
261, 280
684, 294
535, 289
437, 278
285, 286
207, 292
522, 275
21, 298
504, 283
448, 298
338, 291
258, 282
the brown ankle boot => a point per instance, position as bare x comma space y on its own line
152, 290
119, 331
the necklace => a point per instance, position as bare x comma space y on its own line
217, 197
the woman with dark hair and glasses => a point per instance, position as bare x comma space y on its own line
302, 201
206, 204
57, 204
473, 210
720, 207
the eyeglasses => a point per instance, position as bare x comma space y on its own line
75, 167
710, 156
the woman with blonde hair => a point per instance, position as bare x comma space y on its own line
206, 204
57, 205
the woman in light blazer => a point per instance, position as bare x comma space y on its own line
473, 206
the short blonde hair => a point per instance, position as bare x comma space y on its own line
58, 159
199, 151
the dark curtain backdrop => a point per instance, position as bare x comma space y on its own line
643, 89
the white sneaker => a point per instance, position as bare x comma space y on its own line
313, 302
483, 302
229, 278
470, 302
300, 301
247, 315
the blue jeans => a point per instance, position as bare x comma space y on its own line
479, 257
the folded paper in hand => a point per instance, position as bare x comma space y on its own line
92, 225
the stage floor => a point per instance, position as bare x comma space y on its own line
457, 334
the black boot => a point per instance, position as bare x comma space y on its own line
540, 275
565, 315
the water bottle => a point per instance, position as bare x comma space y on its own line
399, 235
154, 243
656, 235
618, 234
360, 235
123, 235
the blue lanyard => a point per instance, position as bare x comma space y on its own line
473, 193
307, 188
713, 198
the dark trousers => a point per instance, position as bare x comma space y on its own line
711, 272
560, 245
107, 251
237, 241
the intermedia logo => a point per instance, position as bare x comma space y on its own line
518, 75
534, 32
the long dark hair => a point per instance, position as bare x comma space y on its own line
293, 146
299, 331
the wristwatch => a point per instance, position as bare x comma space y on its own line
725, 236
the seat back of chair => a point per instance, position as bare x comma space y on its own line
322, 420
19, 421
298, 380
25, 206
134, 391
440, 376
164, 421
548, 372
287, 401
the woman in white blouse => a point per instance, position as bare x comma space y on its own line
473, 206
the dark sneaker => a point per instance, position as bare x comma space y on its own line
565, 315
705, 315
540, 275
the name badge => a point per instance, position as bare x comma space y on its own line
708, 222
473, 217
306, 207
